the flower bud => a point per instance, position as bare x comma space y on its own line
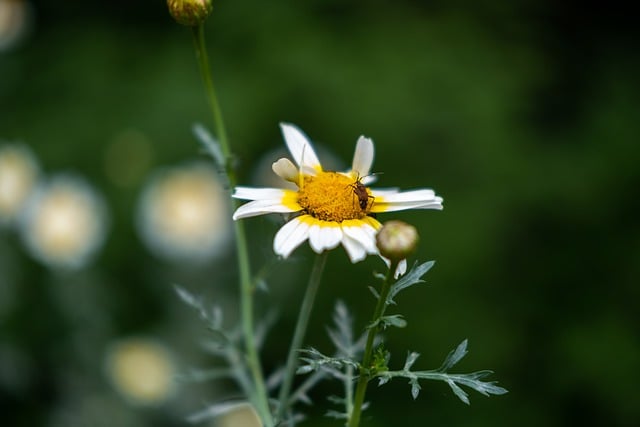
189, 12
396, 240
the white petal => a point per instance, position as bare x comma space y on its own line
290, 236
354, 249
286, 170
260, 207
409, 205
416, 199
363, 157
365, 235
401, 268
383, 207
299, 146
378, 192
425, 194
322, 238
250, 193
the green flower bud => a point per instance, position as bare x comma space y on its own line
396, 240
189, 12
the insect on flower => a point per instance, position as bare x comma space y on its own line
333, 207
361, 192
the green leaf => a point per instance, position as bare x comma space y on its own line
210, 144
473, 380
462, 395
393, 320
454, 356
413, 277
188, 298
411, 359
305, 369
382, 380
415, 388
374, 292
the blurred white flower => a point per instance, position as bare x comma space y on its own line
183, 214
141, 370
18, 176
242, 415
15, 22
64, 223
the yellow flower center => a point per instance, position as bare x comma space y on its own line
331, 196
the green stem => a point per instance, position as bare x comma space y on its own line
299, 333
260, 398
205, 71
363, 379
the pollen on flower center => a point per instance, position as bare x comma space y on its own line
331, 196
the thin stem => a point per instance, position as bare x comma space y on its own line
365, 376
299, 333
205, 71
348, 390
260, 397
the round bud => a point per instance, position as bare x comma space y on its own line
396, 240
189, 12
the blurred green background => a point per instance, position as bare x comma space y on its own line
522, 115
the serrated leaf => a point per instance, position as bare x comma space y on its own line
192, 301
210, 144
187, 297
382, 380
380, 276
335, 399
413, 277
214, 411
201, 375
305, 369
415, 388
342, 334
411, 359
454, 356
335, 414
473, 381
462, 395
393, 320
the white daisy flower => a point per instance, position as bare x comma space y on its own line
331, 208
18, 177
65, 222
16, 19
142, 370
183, 214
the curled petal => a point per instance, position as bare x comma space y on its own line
401, 269
286, 170
300, 148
